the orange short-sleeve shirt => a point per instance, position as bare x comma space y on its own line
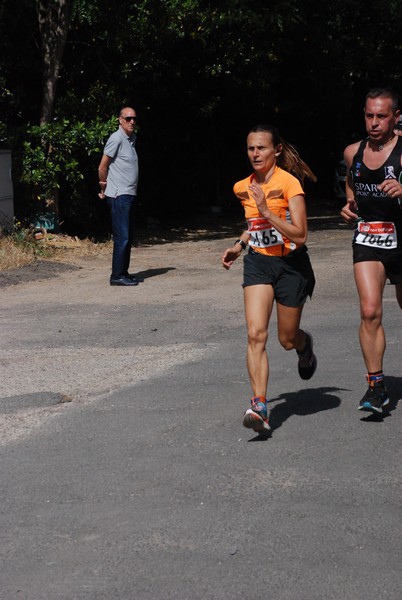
280, 188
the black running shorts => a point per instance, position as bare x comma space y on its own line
291, 276
391, 259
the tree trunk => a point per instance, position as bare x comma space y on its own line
54, 18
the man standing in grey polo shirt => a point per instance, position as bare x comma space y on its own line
118, 177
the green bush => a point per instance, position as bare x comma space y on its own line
53, 153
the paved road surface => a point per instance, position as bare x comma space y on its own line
126, 473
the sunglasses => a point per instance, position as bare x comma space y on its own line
128, 119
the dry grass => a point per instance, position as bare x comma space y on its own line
85, 248
14, 255
20, 249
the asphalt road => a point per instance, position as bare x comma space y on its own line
126, 473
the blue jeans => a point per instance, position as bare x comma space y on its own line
122, 211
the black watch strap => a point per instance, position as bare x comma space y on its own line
242, 244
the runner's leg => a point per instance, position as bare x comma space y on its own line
290, 336
258, 303
370, 281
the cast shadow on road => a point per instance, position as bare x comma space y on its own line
394, 387
304, 402
153, 272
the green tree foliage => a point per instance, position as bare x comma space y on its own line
199, 74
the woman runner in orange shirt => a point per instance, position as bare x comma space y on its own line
277, 266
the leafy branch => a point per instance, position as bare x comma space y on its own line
53, 151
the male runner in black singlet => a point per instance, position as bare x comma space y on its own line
374, 202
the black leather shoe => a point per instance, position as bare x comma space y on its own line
134, 278
123, 280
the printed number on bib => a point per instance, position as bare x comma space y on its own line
262, 235
376, 234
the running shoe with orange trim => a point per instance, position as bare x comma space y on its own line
256, 416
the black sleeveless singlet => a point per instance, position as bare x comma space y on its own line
374, 205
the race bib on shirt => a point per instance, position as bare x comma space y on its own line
376, 234
262, 234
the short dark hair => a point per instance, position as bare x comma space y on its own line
384, 92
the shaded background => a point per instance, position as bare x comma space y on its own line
199, 75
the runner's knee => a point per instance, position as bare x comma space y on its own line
257, 336
371, 313
288, 343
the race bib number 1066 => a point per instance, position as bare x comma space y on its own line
376, 234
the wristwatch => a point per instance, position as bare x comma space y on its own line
242, 244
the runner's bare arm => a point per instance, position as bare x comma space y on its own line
349, 211
231, 254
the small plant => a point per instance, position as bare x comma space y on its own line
23, 236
